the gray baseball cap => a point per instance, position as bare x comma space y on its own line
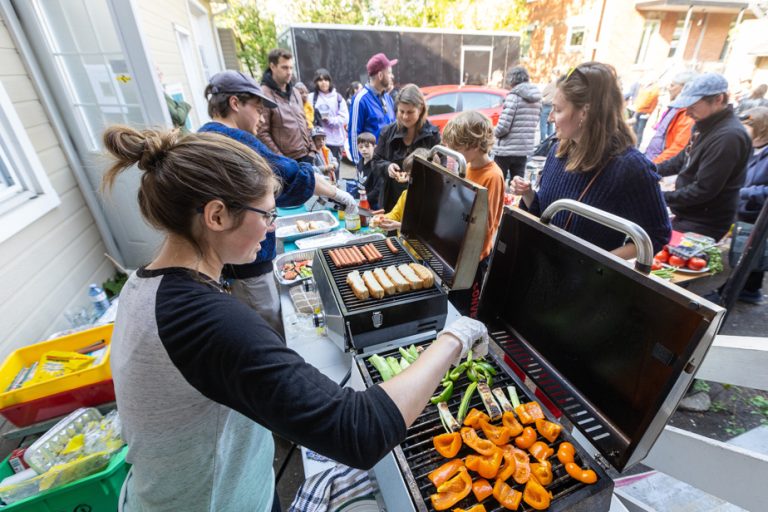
706, 84
235, 82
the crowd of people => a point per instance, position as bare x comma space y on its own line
221, 359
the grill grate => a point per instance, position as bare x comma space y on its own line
421, 457
354, 304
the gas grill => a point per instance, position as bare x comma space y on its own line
601, 345
443, 228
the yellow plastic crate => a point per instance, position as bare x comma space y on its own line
27, 355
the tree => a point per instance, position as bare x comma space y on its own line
255, 32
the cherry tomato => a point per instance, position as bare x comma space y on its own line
662, 256
656, 265
676, 261
697, 263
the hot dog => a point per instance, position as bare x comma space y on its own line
342, 258
368, 255
359, 254
376, 252
391, 246
332, 254
351, 259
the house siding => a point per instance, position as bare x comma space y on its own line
46, 267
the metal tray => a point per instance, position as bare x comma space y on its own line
285, 227
281, 260
339, 237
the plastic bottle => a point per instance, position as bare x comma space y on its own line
363, 203
98, 299
342, 185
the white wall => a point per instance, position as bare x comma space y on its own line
45, 269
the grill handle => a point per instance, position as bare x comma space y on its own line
453, 154
638, 235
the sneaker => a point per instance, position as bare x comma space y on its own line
751, 297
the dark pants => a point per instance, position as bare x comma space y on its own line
754, 281
640, 121
511, 166
335, 151
684, 226
545, 127
276, 503
467, 301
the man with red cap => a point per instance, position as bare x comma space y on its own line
372, 107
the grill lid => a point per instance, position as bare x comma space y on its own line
612, 348
445, 219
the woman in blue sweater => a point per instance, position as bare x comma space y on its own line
596, 163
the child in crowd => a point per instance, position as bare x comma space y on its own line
366, 176
471, 134
309, 110
392, 220
324, 161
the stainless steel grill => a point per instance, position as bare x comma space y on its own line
417, 457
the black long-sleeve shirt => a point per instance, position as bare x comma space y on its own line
710, 171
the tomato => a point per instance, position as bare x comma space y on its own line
662, 256
676, 261
656, 265
697, 263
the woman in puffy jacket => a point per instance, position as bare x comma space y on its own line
516, 131
331, 112
754, 193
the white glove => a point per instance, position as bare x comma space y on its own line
345, 198
472, 335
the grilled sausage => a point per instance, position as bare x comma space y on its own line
343, 257
391, 246
332, 254
348, 255
362, 257
376, 252
368, 254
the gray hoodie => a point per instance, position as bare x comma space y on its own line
518, 122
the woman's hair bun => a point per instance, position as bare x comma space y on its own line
146, 148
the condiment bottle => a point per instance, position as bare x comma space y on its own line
363, 203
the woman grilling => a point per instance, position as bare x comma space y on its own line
201, 379
411, 130
595, 162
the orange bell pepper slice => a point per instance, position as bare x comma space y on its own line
542, 471
481, 488
497, 435
510, 464
507, 497
447, 445
548, 430
444, 472
522, 466
541, 451
526, 439
586, 476
475, 508
452, 491
471, 439
565, 452
536, 495
508, 420
529, 412
473, 418
487, 466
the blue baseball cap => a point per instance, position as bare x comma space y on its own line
236, 82
706, 84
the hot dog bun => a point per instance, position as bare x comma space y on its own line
384, 281
426, 275
411, 277
377, 292
358, 285
397, 279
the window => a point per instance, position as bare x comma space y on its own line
727, 43
25, 192
442, 104
479, 100
676, 36
576, 37
547, 46
525, 43
650, 28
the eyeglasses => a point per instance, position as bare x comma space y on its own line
269, 216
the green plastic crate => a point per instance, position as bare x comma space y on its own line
95, 493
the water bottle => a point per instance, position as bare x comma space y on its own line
98, 299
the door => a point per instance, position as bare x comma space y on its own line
476, 62
190, 60
95, 63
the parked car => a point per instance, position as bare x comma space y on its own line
445, 101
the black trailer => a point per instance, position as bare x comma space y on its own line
425, 56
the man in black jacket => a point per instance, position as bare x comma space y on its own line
711, 169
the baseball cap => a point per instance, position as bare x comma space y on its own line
706, 84
236, 82
317, 132
379, 62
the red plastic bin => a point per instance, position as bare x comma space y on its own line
59, 404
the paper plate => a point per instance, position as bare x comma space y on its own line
686, 270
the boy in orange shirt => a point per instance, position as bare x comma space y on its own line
471, 134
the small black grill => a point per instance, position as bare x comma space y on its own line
417, 457
354, 324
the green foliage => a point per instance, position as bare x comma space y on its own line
114, 284
255, 32
700, 385
761, 403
